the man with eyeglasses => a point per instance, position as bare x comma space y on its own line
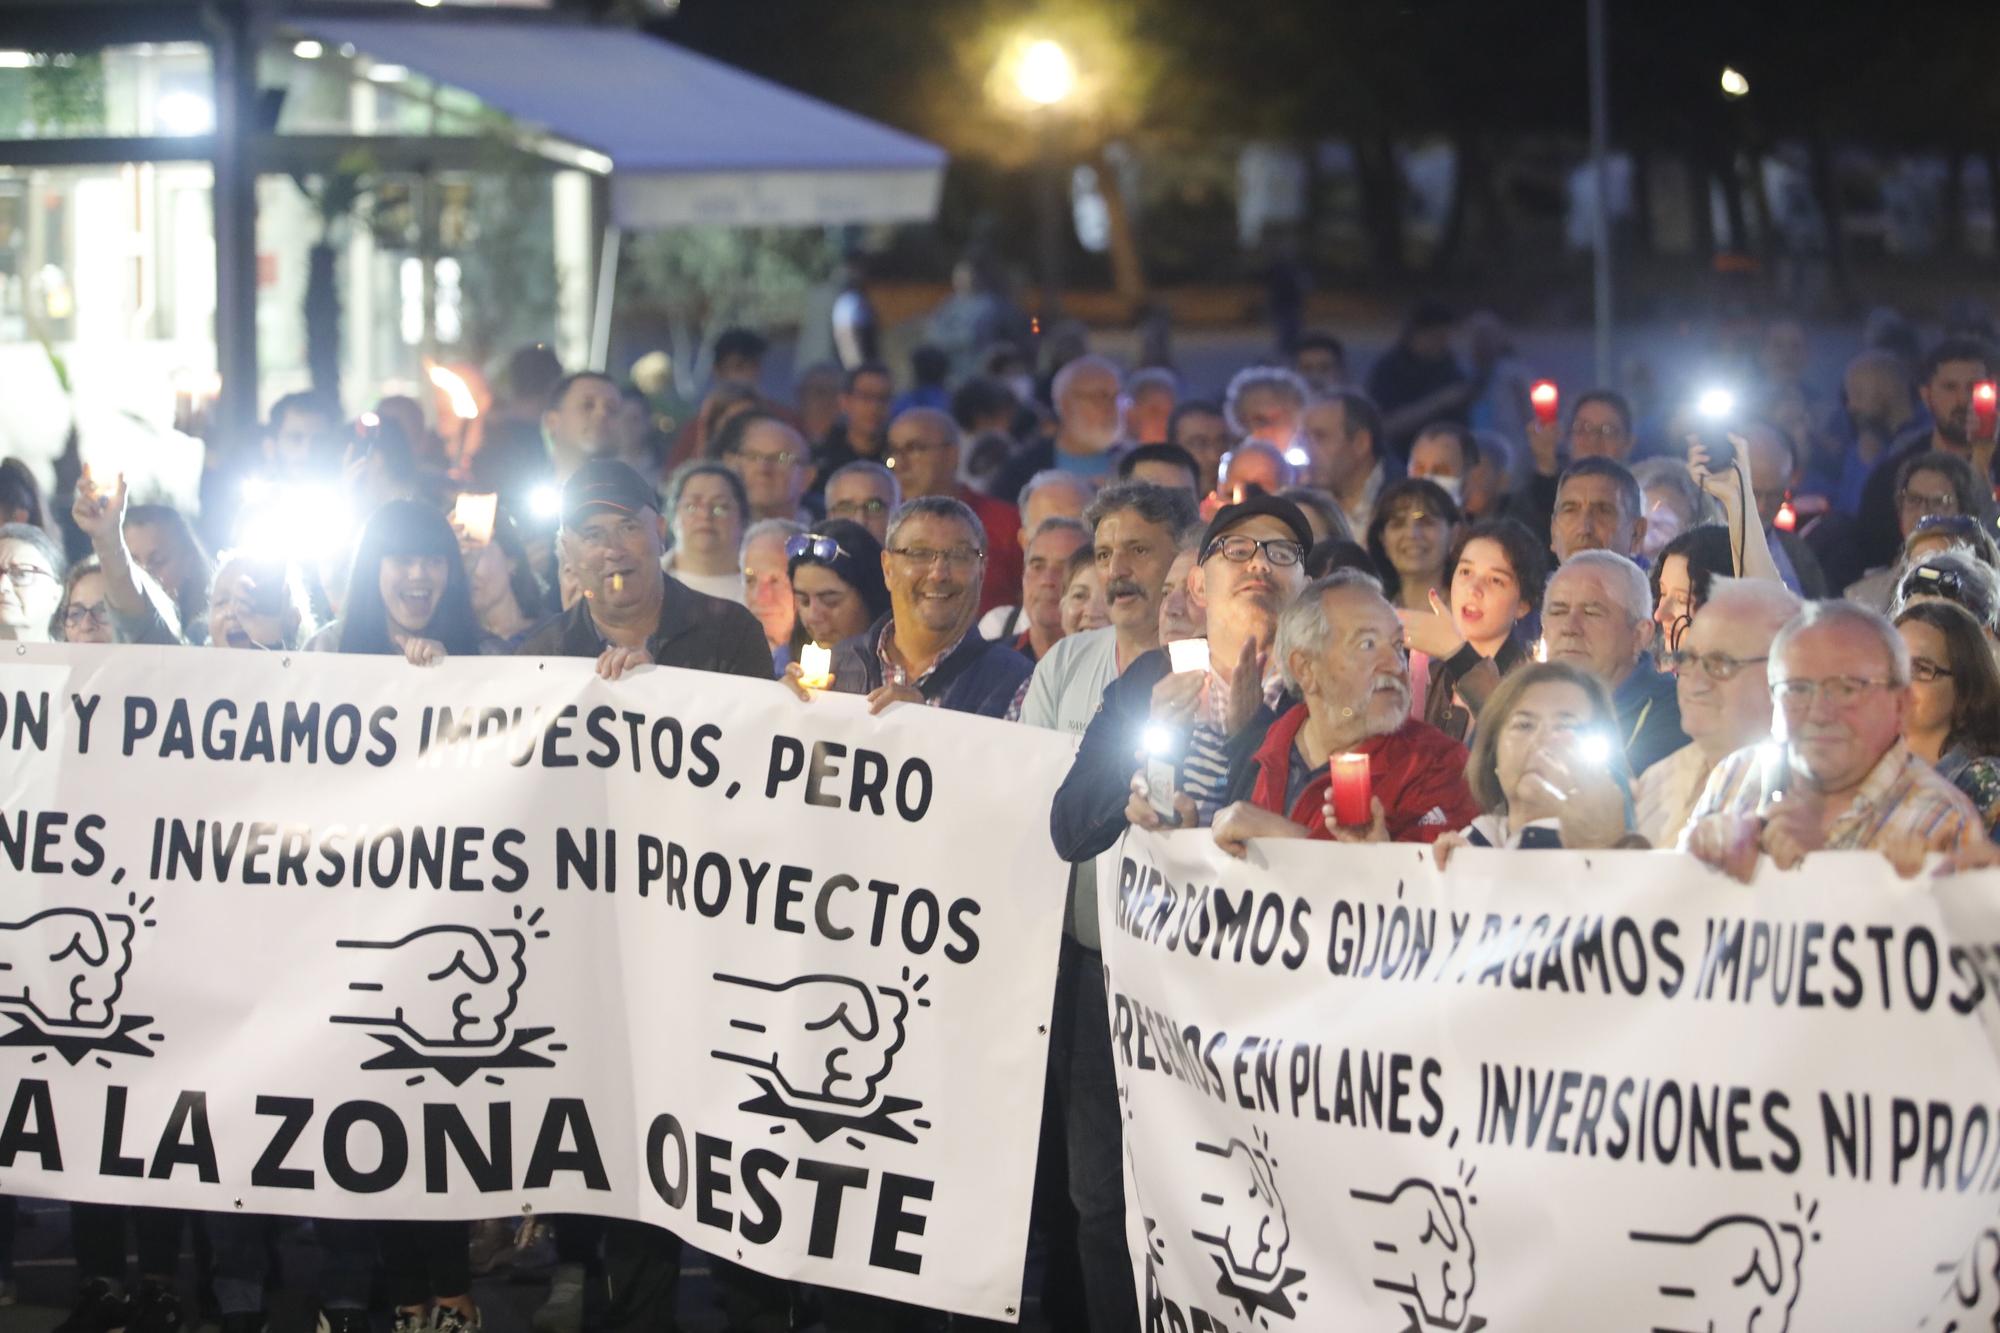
925, 449
864, 492
865, 398
31, 582
1597, 616
770, 456
926, 650
1843, 779
1600, 427
631, 614
1725, 702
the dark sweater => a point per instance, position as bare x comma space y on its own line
696, 631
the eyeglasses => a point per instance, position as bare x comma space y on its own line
783, 458
22, 576
918, 448
870, 507
813, 546
1841, 691
1716, 666
694, 509
1927, 671
1919, 502
1279, 551
958, 557
1605, 430
77, 614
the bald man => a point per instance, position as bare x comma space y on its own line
925, 450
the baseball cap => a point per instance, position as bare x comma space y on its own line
1274, 506
605, 483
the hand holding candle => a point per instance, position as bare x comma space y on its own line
815, 667
1353, 791
1985, 411
1543, 397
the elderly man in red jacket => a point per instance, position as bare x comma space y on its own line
1341, 646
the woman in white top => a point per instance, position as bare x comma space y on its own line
706, 510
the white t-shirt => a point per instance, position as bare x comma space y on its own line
1063, 695
729, 587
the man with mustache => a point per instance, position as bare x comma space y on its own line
1844, 779
1341, 646
1944, 385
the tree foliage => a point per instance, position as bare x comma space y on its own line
701, 280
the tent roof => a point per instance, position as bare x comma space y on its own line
691, 140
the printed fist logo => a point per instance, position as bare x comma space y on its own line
1424, 1253
1972, 1301
1244, 1226
62, 972
439, 998
820, 1046
1736, 1274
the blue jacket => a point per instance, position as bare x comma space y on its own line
979, 676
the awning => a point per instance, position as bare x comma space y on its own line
690, 140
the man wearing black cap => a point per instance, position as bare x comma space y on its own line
1253, 564
632, 613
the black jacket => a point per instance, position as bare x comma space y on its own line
696, 631
1089, 811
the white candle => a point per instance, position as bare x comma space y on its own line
1188, 655
816, 666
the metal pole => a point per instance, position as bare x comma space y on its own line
1049, 217
234, 32
607, 288
1600, 206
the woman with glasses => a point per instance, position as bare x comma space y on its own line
1409, 539
1545, 766
84, 616
31, 582
1929, 487
1954, 717
707, 509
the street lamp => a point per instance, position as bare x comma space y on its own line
1734, 85
1045, 77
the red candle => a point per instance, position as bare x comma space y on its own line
1543, 398
1352, 791
1985, 410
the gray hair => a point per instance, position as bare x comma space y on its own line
868, 467
1152, 377
1058, 523
942, 422
1286, 472
1169, 507
1621, 575
1067, 375
44, 545
1053, 476
1839, 612
937, 506
1277, 379
1304, 627
768, 527
1672, 474
1767, 600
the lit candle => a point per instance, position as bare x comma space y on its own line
1543, 396
1985, 410
1352, 791
1188, 655
815, 667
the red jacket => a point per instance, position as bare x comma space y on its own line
1002, 522
1418, 773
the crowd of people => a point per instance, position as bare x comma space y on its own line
1614, 624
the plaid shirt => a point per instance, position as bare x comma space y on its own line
892, 670
1901, 795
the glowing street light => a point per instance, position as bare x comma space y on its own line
1046, 74
1734, 85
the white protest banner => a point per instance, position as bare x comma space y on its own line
1558, 1091
343, 937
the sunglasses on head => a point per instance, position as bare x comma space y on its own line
813, 546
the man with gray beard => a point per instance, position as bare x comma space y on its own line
1341, 647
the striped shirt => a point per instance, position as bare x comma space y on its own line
1204, 772
1901, 795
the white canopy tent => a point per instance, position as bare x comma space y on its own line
685, 140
